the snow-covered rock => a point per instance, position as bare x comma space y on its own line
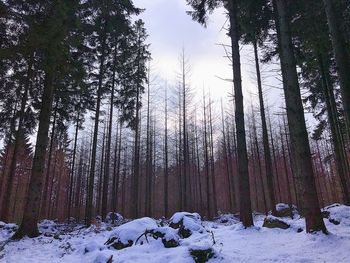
186, 223
125, 235
284, 210
169, 236
338, 214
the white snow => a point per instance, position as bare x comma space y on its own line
233, 243
134, 229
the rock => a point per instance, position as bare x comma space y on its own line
168, 235
284, 210
334, 221
125, 235
186, 223
202, 255
273, 222
118, 244
325, 214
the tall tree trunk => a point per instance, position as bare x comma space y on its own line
90, 192
29, 225
70, 197
166, 157
212, 160
245, 202
300, 147
342, 57
135, 187
228, 174
46, 192
19, 138
148, 153
267, 152
206, 159
109, 141
339, 153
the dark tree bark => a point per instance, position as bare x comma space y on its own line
19, 137
339, 153
166, 157
300, 147
226, 156
342, 56
245, 202
267, 152
70, 197
90, 192
29, 225
212, 160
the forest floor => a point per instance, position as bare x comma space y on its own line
221, 240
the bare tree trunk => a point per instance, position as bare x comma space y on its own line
206, 158
245, 202
339, 152
135, 188
267, 153
212, 160
109, 141
342, 57
228, 174
72, 169
90, 192
166, 157
300, 147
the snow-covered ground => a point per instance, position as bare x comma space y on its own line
224, 239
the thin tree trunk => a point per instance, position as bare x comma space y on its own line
166, 157
109, 141
245, 202
267, 153
90, 192
73, 168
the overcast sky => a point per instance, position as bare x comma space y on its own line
170, 29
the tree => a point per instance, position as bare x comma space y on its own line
201, 10
57, 18
300, 149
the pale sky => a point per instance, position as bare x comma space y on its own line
170, 28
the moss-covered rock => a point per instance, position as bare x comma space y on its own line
273, 222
